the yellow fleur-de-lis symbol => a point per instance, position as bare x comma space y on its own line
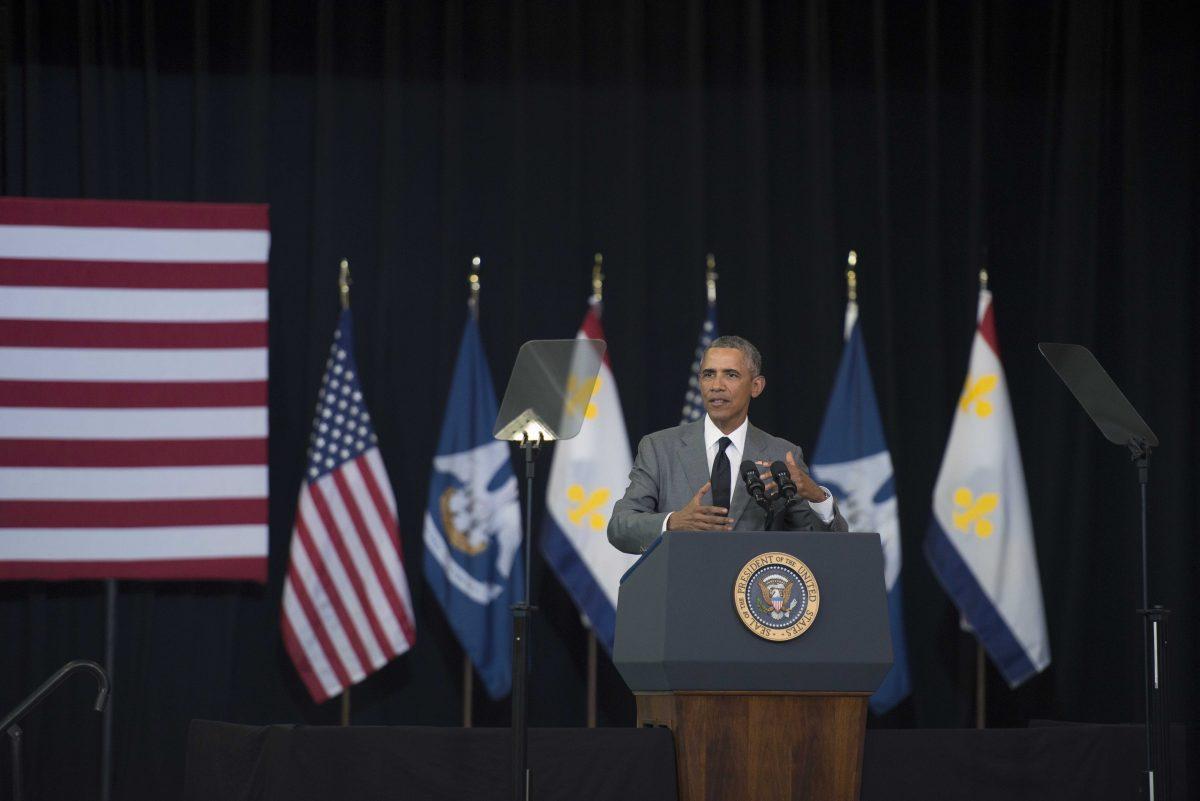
974, 393
974, 509
581, 392
586, 505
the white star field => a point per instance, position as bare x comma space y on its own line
693, 405
342, 427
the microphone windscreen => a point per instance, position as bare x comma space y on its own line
783, 478
750, 476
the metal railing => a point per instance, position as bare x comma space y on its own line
10, 725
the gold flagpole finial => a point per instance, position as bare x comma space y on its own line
983, 279
710, 277
473, 283
598, 278
852, 277
344, 282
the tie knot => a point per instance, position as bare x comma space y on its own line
723, 443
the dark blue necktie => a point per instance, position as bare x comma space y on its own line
720, 475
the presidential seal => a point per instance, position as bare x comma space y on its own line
776, 596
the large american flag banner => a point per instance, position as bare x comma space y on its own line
133, 390
346, 605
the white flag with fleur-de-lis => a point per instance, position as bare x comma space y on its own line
587, 476
980, 541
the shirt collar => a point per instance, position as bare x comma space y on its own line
737, 438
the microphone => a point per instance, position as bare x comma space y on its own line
753, 481
787, 487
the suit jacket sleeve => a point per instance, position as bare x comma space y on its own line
801, 517
637, 518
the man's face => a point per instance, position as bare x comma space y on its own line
727, 387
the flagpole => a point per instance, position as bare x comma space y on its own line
597, 303
344, 298
110, 659
852, 277
473, 283
710, 278
851, 294
591, 679
344, 283
980, 687
597, 298
980, 656
468, 690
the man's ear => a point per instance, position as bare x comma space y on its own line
758, 385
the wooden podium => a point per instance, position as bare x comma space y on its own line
753, 717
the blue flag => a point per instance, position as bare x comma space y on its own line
473, 521
852, 460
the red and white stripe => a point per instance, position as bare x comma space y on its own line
346, 605
133, 390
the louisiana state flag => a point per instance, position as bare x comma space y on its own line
852, 459
980, 542
472, 529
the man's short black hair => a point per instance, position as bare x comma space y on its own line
753, 357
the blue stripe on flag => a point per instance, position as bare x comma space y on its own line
579, 582
961, 585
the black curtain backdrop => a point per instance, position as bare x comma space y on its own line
1056, 141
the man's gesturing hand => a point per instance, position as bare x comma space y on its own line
806, 488
695, 517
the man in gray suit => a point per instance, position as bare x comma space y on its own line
685, 478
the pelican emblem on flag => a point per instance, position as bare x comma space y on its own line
475, 514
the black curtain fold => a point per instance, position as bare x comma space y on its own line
1054, 142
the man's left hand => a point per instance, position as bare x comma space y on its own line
806, 488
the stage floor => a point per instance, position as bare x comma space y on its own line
1039, 763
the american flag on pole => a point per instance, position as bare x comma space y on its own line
693, 401
346, 605
133, 390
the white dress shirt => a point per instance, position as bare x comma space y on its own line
737, 446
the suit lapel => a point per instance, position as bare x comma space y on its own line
693, 457
756, 448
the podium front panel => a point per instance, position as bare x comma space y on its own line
678, 629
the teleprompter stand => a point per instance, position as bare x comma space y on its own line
1122, 425
547, 395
